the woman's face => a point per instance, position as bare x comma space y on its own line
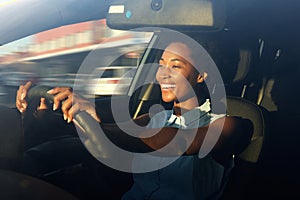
176, 75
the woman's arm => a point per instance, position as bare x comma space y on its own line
234, 137
235, 133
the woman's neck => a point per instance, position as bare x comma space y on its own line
184, 106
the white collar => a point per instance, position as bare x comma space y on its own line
196, 113
197, 117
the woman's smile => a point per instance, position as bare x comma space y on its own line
167, 86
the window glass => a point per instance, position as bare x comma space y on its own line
54, 57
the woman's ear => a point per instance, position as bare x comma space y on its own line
202, 77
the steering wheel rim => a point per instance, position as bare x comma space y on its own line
89, 128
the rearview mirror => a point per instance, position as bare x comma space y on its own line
174, 14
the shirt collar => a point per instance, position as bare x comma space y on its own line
197, 117
196, 113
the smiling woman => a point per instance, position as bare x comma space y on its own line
180, 128
184, 75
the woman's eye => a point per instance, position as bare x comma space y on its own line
176, 67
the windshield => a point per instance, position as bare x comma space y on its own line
54, 57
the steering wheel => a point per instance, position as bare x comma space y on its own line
89, 128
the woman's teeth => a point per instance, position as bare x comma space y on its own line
167, 86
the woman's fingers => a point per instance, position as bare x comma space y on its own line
24, 89
73, 110
60, 94
66, 106
21, 102
72, 103
80, 104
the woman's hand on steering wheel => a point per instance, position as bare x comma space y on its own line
71, 103
21, 102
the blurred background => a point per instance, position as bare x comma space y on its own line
54, 57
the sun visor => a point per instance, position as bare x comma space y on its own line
175, 14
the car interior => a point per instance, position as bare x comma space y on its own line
255, 47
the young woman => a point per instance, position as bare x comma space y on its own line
187, 176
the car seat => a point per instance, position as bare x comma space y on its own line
246, 170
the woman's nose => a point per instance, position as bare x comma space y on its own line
165, 71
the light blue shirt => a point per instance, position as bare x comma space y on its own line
197, 117
186, 178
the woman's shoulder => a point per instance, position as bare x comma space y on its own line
232, 125
236, 133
